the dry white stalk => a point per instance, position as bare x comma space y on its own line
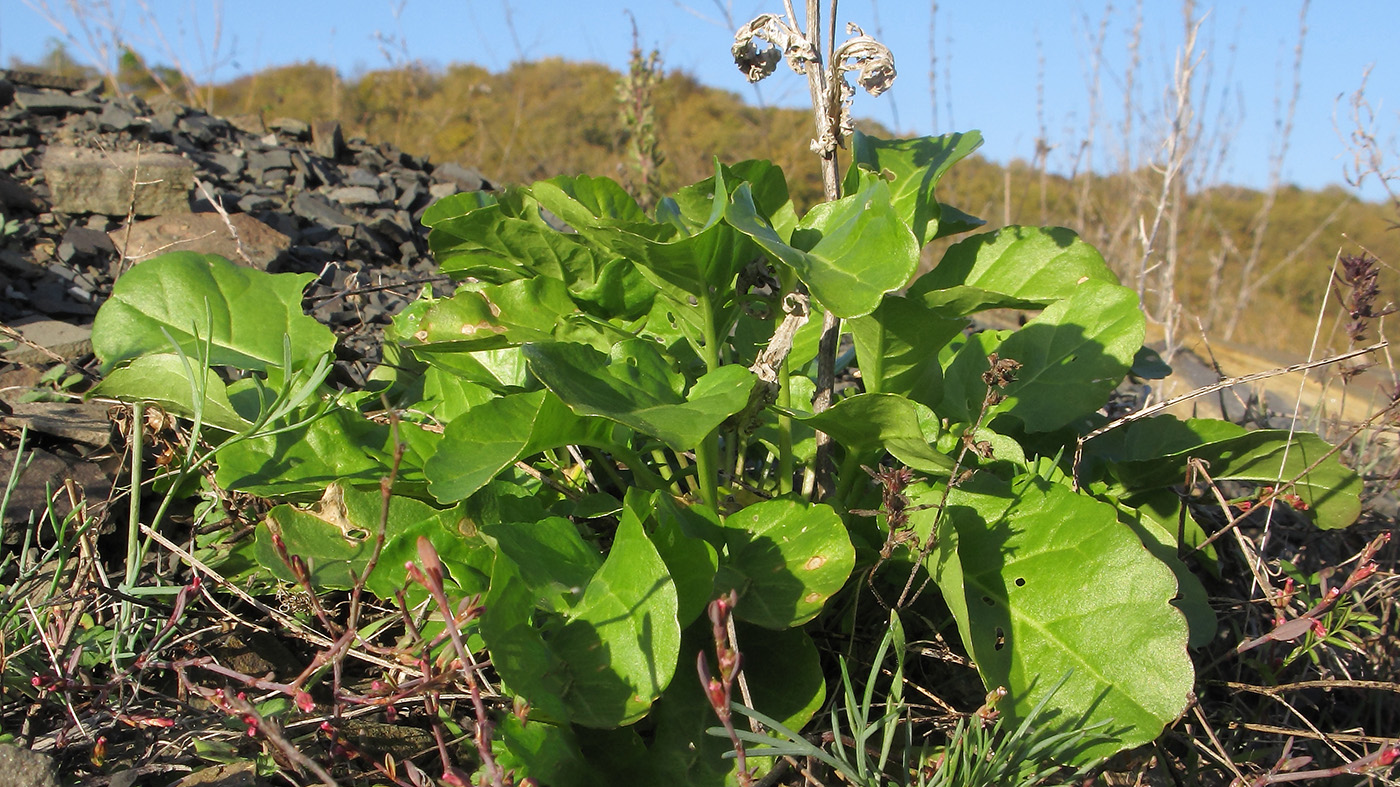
871, 59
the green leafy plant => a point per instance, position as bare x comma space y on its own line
607, 426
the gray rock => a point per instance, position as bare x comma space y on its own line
315, 208
115, 117
85, 422
62, 339
355, 195
84, 242
248, 124
45, 102
326, 139
263, 160
231, 165
90, 181
25, 768
361, 177
7, 93
252, 203
292, 127
9, 157
439, 190
465, 179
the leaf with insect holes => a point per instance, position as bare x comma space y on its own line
1044, 581
785, 559
203, 301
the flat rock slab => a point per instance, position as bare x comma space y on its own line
206, 233
91, 181
84, 422
64, 339
46, 474
22, 767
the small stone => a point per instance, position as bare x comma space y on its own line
361, 177
115, 117
7, 92
355, 195
9, 157
315, 208
327, 140
84, 422
440, 190
84, 242
297, 129
465, 179
249, 124
252, 203
237, 774
263, 160
202, 128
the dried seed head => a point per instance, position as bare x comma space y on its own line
782, 40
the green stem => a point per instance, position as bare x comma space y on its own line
785, 458
707, 453
133, 523
850, 470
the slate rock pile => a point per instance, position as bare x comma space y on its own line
90, 185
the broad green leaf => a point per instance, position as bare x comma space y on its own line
477, 446
547, 753
582, 200
897, 347
341, 445
455, 205
784, 673
692, 207
1160, 539
606, 659
551, 558
466, 557
1153, 453
527, 310
914, 167
622, 641
164, 379
1073, 355
868, 422
245, 312
785, 559
1045, 582
336, 536
1013, 267
634, 387
690, 560
864, 249
693, 266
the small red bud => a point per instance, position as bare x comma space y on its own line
1319, 629
304, 702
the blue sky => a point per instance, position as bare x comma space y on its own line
1008, 67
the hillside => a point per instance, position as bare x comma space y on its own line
1248, 275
